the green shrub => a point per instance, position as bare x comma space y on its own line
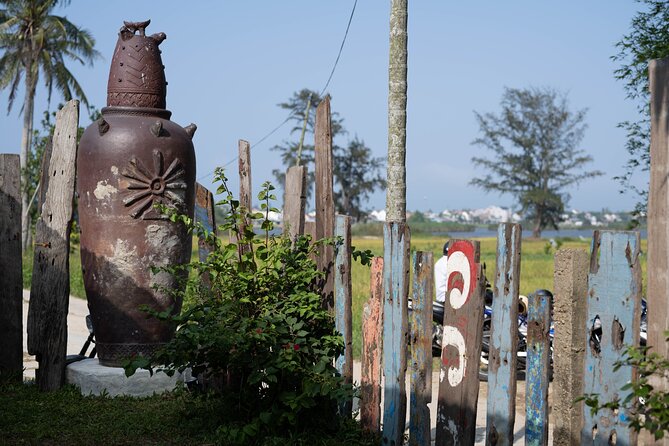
256, 329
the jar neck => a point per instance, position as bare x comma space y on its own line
137, 111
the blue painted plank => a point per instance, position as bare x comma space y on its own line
504, 338
396, 289
421, 348
461, 345
342, 286
538, 368
204, 214
614, 304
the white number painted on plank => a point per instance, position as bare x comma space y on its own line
458, 263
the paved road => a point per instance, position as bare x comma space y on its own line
77, 334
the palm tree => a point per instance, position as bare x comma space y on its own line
33, 43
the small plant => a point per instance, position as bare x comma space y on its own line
647, 407
254, 328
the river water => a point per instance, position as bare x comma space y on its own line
547, 234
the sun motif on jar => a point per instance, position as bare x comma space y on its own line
146, 187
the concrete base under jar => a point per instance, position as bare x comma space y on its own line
95, 379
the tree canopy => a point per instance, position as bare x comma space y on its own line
357, 173
35, 43
648, 39
535, 157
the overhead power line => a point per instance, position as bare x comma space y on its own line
334, 67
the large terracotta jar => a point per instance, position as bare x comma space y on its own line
129, 160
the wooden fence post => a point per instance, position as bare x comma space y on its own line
295, 197
325, 212
504, 338
204, 213
11, 284
372, 325
421, 348
245, 190
538, 368
395, 336
571, 289
50, 290
613, 312
658, 220
461, 345
343, 310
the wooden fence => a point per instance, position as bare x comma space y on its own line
604, 291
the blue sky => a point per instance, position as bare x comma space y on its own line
229, 63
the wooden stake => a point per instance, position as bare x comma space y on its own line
295, 197
461, 345
396, 289
11, 284
204, 213
421, 348
343, 311
372, 327
50, 290
325, 212
504, 338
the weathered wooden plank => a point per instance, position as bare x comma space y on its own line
395, 334
538, 368
50, 290
325, 212
504, 338
11, 282
343, 310
461, 345
571, 289
295, 201
612, 323
370, 376
204, 213
421, 348
658, 220
245, 190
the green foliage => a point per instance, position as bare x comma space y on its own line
535, 156
646, 407
648, 39
357, 174
256, 329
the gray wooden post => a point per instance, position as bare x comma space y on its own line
421, 348
11, 284
325, 212
343, 310
461, 345
570, 292
372, 326
295, 200
658, 220
396, 289
50, 290
504, 338
613, 303
538, 368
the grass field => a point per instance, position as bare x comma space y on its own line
536, 268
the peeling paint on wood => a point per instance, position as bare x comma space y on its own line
421, 348
501, 410
204, 214
538, 368
461, 345
343, 317
372, 325
395, 336
295, 199
614, 303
